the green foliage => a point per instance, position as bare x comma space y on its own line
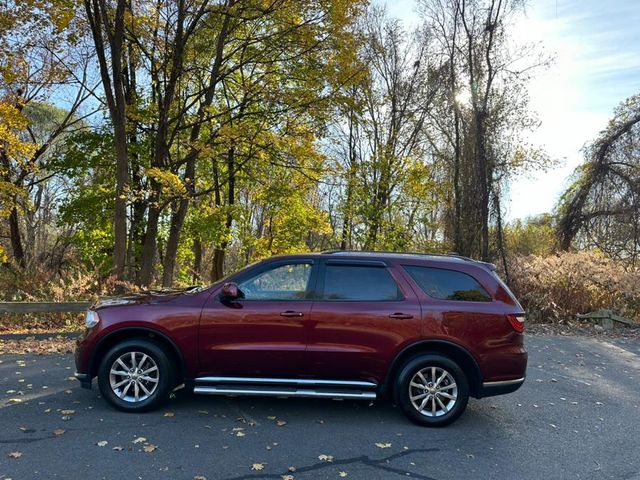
532, 236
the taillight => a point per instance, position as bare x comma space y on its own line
517, 322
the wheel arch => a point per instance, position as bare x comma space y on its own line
455, 352
128, 333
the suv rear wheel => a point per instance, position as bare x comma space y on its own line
136, 376
432, 390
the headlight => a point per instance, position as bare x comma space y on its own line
91, 319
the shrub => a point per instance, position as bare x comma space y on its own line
557, 287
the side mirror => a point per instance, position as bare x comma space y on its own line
230, 291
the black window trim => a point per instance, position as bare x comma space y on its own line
481, 302
354, 263
259, 269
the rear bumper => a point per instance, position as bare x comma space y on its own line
489, 389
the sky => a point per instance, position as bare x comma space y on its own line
596, 49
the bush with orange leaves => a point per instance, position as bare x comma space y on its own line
557, 287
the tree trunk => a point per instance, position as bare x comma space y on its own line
103, 27
145, 276
16, 238
177, 222
197, 260
217, 267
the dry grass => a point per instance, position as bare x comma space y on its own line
557, 287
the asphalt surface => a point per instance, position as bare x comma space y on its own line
577, 416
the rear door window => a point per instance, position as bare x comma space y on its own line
359, 283
448, 284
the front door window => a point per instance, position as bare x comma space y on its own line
284, 282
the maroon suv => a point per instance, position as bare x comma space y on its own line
427, 330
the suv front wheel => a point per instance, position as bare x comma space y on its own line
432, 390
136, 376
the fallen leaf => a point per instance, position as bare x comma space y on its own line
286, 477
343, 474
240, 434
67, 412
199, 477
281, 423
383, 445
59, 431
271, 417
139, 440
14, 454
257, 466
325, 458
169, 414
102, 443
150, 448
117, 448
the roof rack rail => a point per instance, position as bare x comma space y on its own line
450, 254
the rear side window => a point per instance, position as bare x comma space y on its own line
359, 283
448, 284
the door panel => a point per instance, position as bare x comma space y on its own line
358, 339
263, 334
252, 338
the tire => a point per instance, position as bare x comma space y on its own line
154, 377
452, 393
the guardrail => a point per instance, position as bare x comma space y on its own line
43, 307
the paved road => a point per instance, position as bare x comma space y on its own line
577, 416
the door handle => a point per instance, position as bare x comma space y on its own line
400, 315
291, 313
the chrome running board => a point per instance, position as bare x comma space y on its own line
285, 387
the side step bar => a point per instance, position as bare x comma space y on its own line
285, 387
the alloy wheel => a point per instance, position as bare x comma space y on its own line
433, 391
134, 376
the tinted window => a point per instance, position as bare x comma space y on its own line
359, 283
448, 284
284, 282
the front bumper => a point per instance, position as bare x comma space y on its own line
490, 389
84, 379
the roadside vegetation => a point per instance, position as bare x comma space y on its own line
169, 143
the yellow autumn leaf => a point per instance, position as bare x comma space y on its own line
383, 445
